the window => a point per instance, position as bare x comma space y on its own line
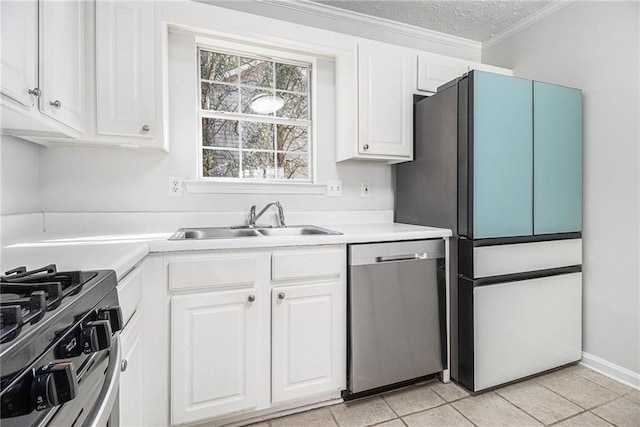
255, 117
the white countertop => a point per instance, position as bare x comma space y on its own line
120, 252
73, 253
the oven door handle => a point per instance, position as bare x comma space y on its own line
100, 413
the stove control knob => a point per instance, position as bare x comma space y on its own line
95, 336
113, 315
53, 385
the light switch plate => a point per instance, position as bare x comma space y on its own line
334, 188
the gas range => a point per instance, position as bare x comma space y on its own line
59, 343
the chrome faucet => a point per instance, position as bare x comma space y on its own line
253, 217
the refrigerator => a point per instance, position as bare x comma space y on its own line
498, 160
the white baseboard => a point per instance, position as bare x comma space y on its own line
611, 370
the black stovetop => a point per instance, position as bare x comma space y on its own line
39, 305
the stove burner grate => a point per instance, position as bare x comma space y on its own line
26, 296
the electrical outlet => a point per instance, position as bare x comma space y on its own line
334, 188
365, 189
175, 186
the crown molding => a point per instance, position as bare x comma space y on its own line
374, 22
549, 9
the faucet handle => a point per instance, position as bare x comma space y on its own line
280, 215
252, 215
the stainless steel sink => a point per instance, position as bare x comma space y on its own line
296, 230
235, 232
213, 233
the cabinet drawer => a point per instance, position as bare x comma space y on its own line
521, 257
301, 264
525, 327
130, 293
223, 271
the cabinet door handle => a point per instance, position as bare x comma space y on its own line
35, 92
56, 104
251, 298
281, 295
365, 147
145, 128
123, 365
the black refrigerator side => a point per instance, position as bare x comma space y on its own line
426, 188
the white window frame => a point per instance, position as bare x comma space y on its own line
261, 52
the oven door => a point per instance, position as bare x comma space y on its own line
96, 404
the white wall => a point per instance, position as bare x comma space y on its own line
595, 46
19, 174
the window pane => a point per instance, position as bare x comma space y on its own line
292, 77
218, 67
220, 163
219, 97
295, 106
292, 138
257, 163
256, 72
296, 166
220, 133
258, 136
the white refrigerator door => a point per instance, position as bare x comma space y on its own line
525, 327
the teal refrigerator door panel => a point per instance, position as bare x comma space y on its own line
557, 159
502, 156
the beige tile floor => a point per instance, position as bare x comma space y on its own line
573, 396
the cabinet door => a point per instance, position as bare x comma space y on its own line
557, 159
214, 354
502, 147
386, 77
62, 61
308, 340
436, 70
125, 84
18, 56
132, 387
525, 327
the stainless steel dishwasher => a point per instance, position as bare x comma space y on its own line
396, 296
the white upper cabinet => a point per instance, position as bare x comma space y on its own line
374, 97
87, 72
42, 66
125, 79
62, 61
386, 76
435, 70
19, 23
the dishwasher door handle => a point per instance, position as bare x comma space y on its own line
411, 257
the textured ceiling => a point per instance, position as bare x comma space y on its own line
470, 19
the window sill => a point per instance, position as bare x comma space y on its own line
212, 187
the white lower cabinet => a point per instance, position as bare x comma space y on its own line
214, 354
307, 334
281, 338
132, 386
